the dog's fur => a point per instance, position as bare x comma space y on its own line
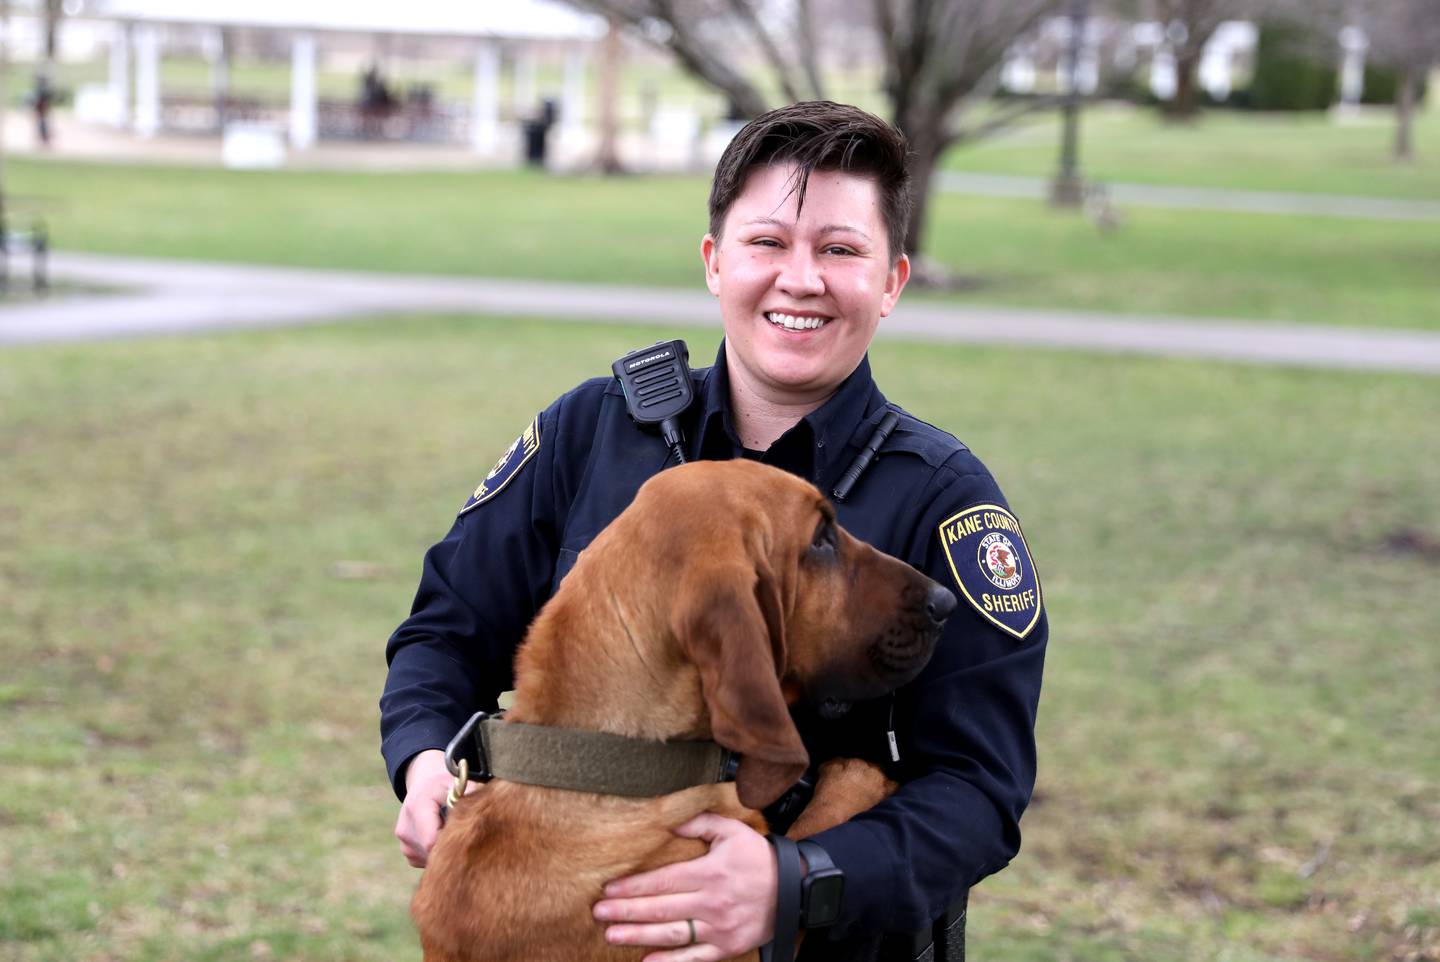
722, 595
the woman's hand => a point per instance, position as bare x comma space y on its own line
727, 895
427, 782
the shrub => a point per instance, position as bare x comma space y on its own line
1292, 71
1382, 84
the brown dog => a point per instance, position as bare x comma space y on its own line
725, 593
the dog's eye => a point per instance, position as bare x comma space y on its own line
824, 539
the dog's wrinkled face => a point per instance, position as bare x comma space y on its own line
862, 622
784, 606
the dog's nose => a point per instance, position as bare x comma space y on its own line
939, 603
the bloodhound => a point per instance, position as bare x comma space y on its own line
725, 593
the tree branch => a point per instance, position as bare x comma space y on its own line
772, 52
809, 59
694, 55
1001, 121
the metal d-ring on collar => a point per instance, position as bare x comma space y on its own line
489, 747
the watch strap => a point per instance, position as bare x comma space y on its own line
820, 869
787, 901
816, 858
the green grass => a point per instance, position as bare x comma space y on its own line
1288, 152
646, 231
1237, 730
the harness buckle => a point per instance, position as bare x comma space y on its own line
465, 755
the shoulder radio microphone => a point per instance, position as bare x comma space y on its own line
658, 389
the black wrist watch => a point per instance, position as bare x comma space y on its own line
821, 889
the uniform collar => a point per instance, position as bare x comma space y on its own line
813, 448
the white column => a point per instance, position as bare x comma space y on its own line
302, 92
219, 54
219, 57
147, 80
572, 102
524, 86
1162, 74
485, 109
1352, 69
120, 75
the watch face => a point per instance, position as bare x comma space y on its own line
822, 905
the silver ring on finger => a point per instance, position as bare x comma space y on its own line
691, 924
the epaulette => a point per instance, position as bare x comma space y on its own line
914, 436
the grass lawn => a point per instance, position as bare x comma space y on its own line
1224, 148
646, 230
1240, 565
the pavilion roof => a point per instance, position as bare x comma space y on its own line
517, 19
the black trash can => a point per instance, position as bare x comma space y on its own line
537, 130
535, 135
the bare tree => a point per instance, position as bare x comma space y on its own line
4, 98
939, 57
607, 155
54, 10
1189, 25
1404, 35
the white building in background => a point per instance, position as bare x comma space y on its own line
1129, 44
138, 31
1232, 43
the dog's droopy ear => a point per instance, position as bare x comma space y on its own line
719, 624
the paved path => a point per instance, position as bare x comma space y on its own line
168, 297
1203, 198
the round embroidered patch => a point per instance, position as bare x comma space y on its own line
1000, 561
504, 460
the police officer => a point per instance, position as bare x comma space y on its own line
808, 212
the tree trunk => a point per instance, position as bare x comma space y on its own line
1405, 115
1183, 106
611, 52
925, 157
4, 76
54, 10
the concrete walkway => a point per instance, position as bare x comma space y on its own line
1202, 198
173, 297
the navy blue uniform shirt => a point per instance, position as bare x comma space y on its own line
964, 729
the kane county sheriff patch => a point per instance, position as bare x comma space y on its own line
507, 467
991, 564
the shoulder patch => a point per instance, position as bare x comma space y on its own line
991, 564
507, 467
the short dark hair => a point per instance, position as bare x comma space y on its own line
819, 135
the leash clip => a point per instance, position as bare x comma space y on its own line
457, 791
465, 755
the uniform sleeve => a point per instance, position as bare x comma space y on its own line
480, 586
965, 728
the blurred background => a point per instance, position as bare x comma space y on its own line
282, 280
